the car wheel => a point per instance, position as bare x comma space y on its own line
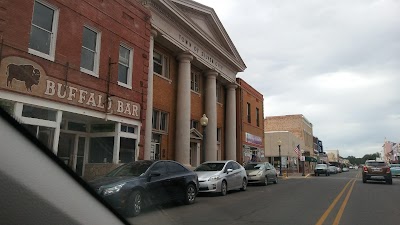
190, 194
135, 203
326, 174
244, 185
276, 180
224, 188
265, 181
364, 180
390, 181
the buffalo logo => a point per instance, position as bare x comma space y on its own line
26, 73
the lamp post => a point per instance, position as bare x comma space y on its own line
280, 158
204, 123
302, 154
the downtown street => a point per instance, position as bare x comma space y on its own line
336, 199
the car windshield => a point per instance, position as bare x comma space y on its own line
320, 166
373, 163
132, 169
253, 166
395, 165
210, 167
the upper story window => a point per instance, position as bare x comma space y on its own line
248, 113
160, 64
258, 116
219, 135
195, 82
160, 121
125, 66
90, 51
194, 124
219, 94
42, 40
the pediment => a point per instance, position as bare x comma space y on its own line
195, 134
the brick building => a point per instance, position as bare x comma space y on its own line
75, 75
193, 72
250, 126
301, 128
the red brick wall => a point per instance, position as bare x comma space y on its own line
117, 20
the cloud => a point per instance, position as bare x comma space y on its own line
335, 62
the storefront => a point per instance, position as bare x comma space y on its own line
89, 134
252, 150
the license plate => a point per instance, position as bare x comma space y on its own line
376, 169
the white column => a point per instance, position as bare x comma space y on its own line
117, 136
211, 112
56, 137
182, 135
149, 107
230, 131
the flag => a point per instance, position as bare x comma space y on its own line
297, 150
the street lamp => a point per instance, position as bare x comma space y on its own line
302, 154
204, 123
280, 158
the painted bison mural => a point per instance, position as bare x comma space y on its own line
25, 73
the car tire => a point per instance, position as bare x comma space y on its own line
276, 180
244, 185
224, 188
326, 174
135, 204
265, 181
190, 194
364, 180
390, 181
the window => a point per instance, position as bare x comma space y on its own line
195, 79
42, 40
194, 124
235, 166
38, 113
127, 150
101, 149
90, 51
175, 167
160, 64
258, 117
159, 167
160, 121
127, 129
219, 135
125, 66
248, 113
219, 94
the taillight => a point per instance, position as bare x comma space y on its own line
388, 170
365, 169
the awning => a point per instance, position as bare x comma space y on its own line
311, 159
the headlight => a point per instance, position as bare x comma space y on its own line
259, 173
114, 189
214, 178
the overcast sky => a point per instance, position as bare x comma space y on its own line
336, 62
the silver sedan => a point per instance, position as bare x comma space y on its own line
262, 172
221, 176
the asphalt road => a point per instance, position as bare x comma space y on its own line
337, 199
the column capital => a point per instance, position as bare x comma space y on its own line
185, 56
231, 86
211, 73
153, 33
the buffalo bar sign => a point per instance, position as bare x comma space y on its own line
27, 77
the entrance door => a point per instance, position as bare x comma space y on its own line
71, 150
193, 154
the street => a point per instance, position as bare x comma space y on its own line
336, 199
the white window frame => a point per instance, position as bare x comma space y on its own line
129, 78
164, 65
195, 84
53, 38
158, 125
96, 65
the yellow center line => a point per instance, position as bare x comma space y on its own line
328, 211
343, 206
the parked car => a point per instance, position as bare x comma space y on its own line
339, 169
321, 169
332, 170
345, 169
395, 169
221, 176
263, 173
133, 186
376, 170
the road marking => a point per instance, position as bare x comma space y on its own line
328, 211
343, 206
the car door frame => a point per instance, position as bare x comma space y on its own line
157, 186
230, 177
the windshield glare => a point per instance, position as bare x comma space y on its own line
132, 169
210, 167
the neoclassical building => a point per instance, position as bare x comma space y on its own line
192, 71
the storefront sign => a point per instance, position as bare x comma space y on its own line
27, 77
253, 139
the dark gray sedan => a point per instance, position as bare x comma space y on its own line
261, 172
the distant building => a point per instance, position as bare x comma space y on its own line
391, 152
333, 156
250, 126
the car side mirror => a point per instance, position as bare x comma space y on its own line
229, 170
